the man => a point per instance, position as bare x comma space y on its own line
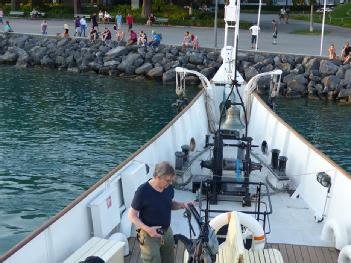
254, 33
83, 26
1, 16
275, 31
151, 213
156, 39
77, 26
119, 21
129, 20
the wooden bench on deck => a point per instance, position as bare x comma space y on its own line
109, 250
232, 249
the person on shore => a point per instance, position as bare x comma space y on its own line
107, 17
332, 52
93, 35
345, 52
156, 39
133, 38
275, 32
44, 27
254, 33
119, 35
151, 19
195, 41
282, 14
186, 40
77, 26
156, 197
119, 20
83, 26
101, 16
142, 40
94, 22
65, 33
129, 20
1, 16
106, 35
7, 27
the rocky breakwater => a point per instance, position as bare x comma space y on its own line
315, 77
109, 58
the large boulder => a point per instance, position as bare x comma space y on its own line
143, 69
331, 81
169, 76
250, 72
155, 73
115, 52
196, 59
158, 58
312, 64
127, 65
344, 93
327, 67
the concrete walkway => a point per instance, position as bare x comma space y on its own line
287, 42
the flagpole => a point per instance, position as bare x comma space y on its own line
258, 22
323, 22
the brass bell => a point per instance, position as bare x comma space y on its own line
232, 121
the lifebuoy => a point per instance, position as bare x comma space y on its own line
257, 233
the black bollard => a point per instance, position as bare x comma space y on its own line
179, 160
282, 163
185, 150
274, 161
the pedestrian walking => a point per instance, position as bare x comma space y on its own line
129, 20
254, 33
119, 21
77, 26
1, 16
275, 32
83, 26
94, 22
44, 27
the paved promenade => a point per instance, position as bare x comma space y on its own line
287, 42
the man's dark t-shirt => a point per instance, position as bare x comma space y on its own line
347, 51
154, 207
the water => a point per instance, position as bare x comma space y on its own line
325, 124
61, 132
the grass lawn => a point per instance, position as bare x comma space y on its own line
307, 32
340, 16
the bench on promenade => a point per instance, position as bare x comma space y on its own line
161, 20
35, 14
16, 13
81, 15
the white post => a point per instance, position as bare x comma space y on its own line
215, 25
322, 35
258, 22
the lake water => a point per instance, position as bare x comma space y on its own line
61, 132
325, 124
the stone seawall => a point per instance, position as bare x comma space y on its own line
314, 77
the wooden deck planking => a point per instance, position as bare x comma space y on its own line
290, 253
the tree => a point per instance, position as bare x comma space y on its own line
14, 5
146, 9
312, 2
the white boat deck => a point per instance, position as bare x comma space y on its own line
292, 221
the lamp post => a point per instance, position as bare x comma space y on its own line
258, 22
215, 24
323, 21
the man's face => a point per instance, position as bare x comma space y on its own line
167, 180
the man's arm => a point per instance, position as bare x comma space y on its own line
178, 205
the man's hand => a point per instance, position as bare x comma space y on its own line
152, 231
186, 204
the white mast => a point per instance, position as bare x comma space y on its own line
228, 53
322, 35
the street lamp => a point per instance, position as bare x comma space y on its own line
323, 21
